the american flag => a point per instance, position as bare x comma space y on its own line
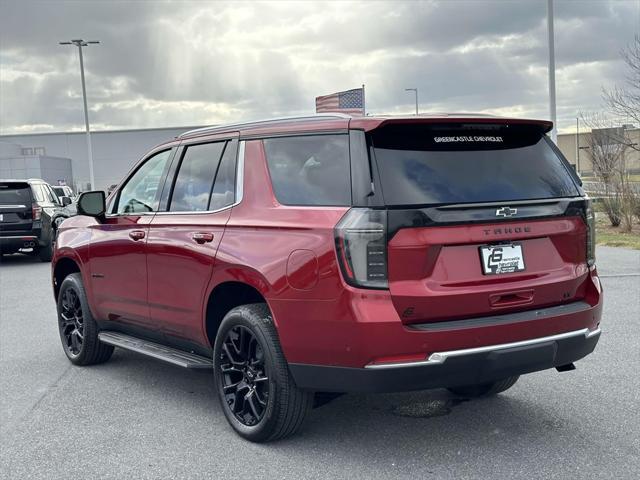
349, 101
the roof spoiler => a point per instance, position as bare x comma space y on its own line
544, 125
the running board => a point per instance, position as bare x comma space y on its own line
155, 350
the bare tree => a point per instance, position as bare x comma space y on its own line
607, 145
624, 101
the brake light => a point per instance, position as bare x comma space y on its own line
590, 220
36, 212
361, 245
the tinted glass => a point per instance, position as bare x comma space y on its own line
59, 191
38, 193
426, 166
224, 187
15, 194
194, 182
140, 194
310, 170
50, 194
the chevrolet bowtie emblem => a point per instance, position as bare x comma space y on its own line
506, 212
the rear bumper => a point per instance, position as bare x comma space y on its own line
15, 242
452, 368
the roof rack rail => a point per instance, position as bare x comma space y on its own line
213, 129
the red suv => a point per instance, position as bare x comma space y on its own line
328, 254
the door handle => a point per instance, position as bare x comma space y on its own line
137, 234
202, 237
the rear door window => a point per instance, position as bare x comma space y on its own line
194, 182
431, 165
310, 170
15, 194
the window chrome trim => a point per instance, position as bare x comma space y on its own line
439, 358
130, 214
239, 188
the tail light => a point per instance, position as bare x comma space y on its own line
590, 220
361, 245
36, 212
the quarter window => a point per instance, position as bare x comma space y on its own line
140, 193
50, 194
194, 182
224, 187
310, 170
38, 193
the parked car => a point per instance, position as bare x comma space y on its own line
328, 254
63, 191
29, 213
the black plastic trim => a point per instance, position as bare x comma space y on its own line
146, 333
460, 214
472, 369
503, 319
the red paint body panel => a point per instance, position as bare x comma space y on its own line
436, 272
180, 269
118, 267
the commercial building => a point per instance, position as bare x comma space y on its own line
114, 153
578, 153
18, 161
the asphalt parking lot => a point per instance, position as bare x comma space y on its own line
134, 417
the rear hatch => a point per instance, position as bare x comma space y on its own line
482, 219
15, 208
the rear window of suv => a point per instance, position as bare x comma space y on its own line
310, 170
15, 194
443, 164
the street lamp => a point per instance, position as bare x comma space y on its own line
414, 90
82, 43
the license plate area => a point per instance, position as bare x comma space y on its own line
499, 259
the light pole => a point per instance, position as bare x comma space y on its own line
414, 90
82, 43
552, 71
578, 144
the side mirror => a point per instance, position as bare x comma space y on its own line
92, 204
65, 201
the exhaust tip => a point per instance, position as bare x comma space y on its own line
566, 368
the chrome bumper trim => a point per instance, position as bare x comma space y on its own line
441, 357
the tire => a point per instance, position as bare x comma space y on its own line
273, 407
484, 389
78, 330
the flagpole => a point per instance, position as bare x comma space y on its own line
364, 105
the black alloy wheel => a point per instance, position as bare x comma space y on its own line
78, 330
71, 322
257, 393
245, 381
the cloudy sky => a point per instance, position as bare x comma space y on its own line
202, 62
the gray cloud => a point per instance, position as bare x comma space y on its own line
167, 63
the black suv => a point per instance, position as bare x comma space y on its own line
29, 214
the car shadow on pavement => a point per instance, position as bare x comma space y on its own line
19, 258
372, 421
